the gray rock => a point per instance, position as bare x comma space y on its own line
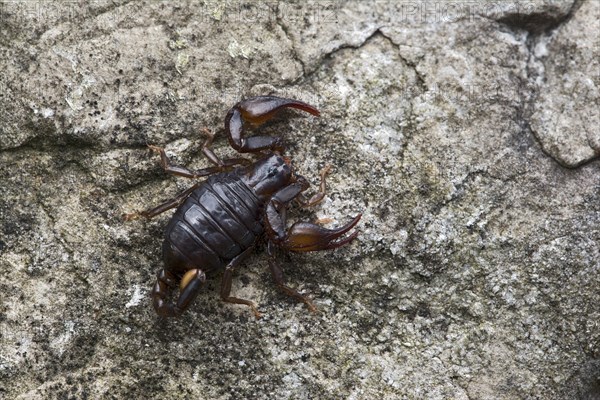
467, 135
568, 85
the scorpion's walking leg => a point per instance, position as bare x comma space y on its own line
320, 195
279, 279
226, 283
256, 111
220, 165
167, 205
189, 287
212, 157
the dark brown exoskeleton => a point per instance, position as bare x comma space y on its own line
219, 221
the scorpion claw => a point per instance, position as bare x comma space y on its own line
256, 111
305, 236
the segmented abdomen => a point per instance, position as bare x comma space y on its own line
217, 222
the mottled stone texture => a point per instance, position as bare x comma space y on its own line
466, 132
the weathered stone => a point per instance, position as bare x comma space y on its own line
568, 80
476, 273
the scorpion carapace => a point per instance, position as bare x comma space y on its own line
219, 221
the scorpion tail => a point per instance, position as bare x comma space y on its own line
190, 286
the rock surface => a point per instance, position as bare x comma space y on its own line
467, 134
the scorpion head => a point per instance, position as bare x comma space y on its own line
269, 174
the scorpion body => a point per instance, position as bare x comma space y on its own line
219, 221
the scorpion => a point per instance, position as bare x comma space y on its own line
218, 222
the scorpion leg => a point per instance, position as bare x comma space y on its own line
190, 286
302, 236
212, 157
277, 274
226, 283
221, 165
167, 205
256, 111
320, 195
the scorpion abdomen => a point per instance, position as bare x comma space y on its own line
217, 222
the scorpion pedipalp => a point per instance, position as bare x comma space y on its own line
306, 236
256, 111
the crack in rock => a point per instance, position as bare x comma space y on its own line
556, 89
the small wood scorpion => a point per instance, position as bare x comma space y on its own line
219, 221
